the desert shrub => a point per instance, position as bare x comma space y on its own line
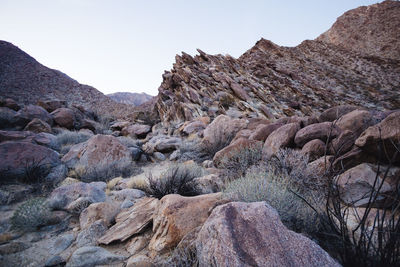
106, 172
31, 214
183, 257
263, 184
175, 180
104, 123
221, 140
66, 139
238, 161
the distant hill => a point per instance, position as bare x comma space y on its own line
134, 99
27, 81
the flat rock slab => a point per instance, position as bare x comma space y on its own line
132, 221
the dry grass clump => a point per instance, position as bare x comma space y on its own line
66, 139
175, 180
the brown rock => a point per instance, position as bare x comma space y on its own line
194, 127
208, 184
9, 103
280, 138
136, 130
119, 125
343, 143
162, 143
28, 113
177, 216
386, 133
314, 149
98, 211
254, 123
25, 136
320, 166
64, 117
357, 183
352, 158
89, 124
335, 113
18, 157
51, 105
252, 234
130, 222
139, 242
262, 132
356, 121
99, 150
222, 128
227, 153
322, 131
242, 134
38, 126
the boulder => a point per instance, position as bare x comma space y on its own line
356, 184
222, 128
335, 113
46, 139
356, 121
51, 105
194, 127
343, 143
99, 150
386, 133
103, 211
177, 216
63, 196
9, 103
20, 159
64, 117
24, 136
322, 131
314, 149
280, 138
28, 113
132, 221
89, 125
119, 125
252, 234
136, 130
234, 149
208, 184
139, 242
128, 193
242, 134
262, 132
8, 118
321, 166
89, 235
38, 126
162, 143
93, 256
352, 158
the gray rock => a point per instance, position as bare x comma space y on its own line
91, 256
128, 193
175, 155
126, 204
62, 196
89, 236
159, 156
61, 243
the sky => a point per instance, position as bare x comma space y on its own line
125, 46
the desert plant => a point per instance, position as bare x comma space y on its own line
66, 139
106, 172
261, 183
175, 180
31, 214
238, 161
183, 257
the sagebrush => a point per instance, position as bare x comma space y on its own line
31, 214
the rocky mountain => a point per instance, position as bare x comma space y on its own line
134, 99
272, 81
27, 81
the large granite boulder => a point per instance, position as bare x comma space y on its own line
335, 113
322, 131
252, 234
38, 126
136, 130
28, 113
64, 117
280, 138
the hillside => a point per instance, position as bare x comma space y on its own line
272, 81
27, 81
134, 99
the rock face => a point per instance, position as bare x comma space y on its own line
387, 131
379, 41
18, 157
130, 222
64, 117
251, 234
98, 150
229, 152
177, 216
280, 138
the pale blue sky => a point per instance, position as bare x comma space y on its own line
125, 45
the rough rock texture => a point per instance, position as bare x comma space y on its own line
252, 234
322, 131
356, 121
231, 151
63, 196
64, 117
261, 133
314, 149
38, 126
51, 105
222, 128
280, 138
93, 256
103, 211
272, 81
8, 118
177, 216
336, 112
132, 221
380, 41
162, 143
30, 112
99, 150
388, 131
136, 130
18, 157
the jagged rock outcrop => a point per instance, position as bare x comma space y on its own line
272, 81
